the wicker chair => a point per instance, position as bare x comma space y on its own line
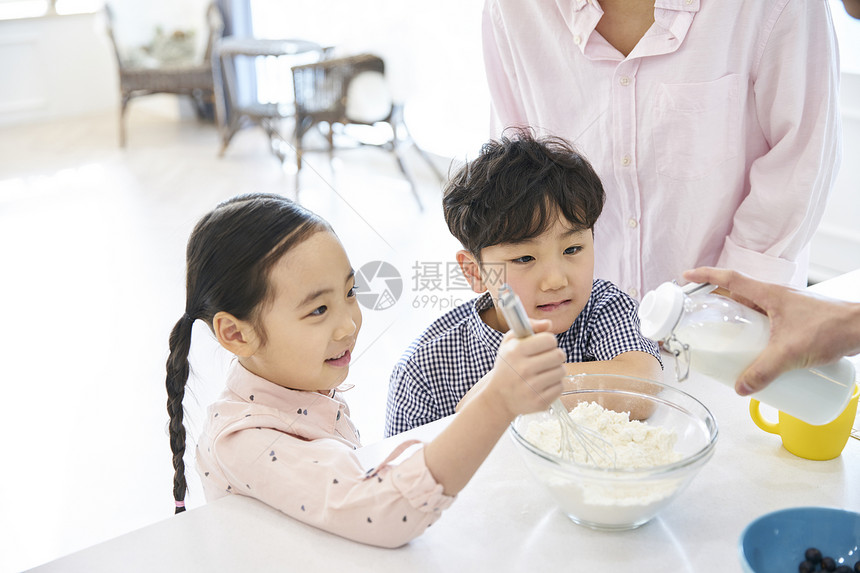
194, 80
234, 112
345, 91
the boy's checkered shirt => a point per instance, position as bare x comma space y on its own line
458, 349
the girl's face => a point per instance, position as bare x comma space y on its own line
313, 319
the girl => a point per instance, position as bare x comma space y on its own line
275, 286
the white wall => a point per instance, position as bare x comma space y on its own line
439, 75
836, 246
55, 67
63, 66
432, 53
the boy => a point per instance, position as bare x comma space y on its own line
524, 211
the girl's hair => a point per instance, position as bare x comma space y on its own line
229, 255
516, 187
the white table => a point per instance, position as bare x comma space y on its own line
504, 521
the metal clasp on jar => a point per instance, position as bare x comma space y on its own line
681, 352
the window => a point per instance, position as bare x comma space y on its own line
18, 9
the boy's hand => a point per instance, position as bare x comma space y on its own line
528, 372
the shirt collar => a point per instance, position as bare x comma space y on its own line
492, 338
677, 5
582, 16
480, 329
312, 409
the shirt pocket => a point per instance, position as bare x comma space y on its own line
696, 126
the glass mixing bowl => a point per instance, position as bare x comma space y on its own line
622, 497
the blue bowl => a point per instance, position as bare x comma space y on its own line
776, 542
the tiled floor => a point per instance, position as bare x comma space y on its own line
92, 242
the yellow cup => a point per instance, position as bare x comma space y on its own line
823, 442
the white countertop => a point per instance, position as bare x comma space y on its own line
504, 521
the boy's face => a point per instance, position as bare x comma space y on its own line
552, 274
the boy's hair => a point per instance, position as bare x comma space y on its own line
229, 256
516, 187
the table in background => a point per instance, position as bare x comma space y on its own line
237, 104
504, 521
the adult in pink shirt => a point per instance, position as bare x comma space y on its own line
713, 124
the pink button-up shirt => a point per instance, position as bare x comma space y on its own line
717, 138
294, 451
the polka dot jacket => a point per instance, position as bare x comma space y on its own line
294, 451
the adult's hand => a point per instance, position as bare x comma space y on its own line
852, 7
805, 329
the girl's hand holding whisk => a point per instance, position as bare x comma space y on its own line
526, 377
528, 372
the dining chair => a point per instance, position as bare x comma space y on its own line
236, 73
181, 76
346, 91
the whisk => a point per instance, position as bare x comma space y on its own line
578, 443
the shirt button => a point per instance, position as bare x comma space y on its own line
577, 39
633, 292
632, 223
624, 80
625, 160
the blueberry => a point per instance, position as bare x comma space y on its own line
806, 567
828, 564
813, 555
843, 569
857, 567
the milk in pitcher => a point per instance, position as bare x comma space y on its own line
721, 337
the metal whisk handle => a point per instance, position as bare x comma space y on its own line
514, 313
